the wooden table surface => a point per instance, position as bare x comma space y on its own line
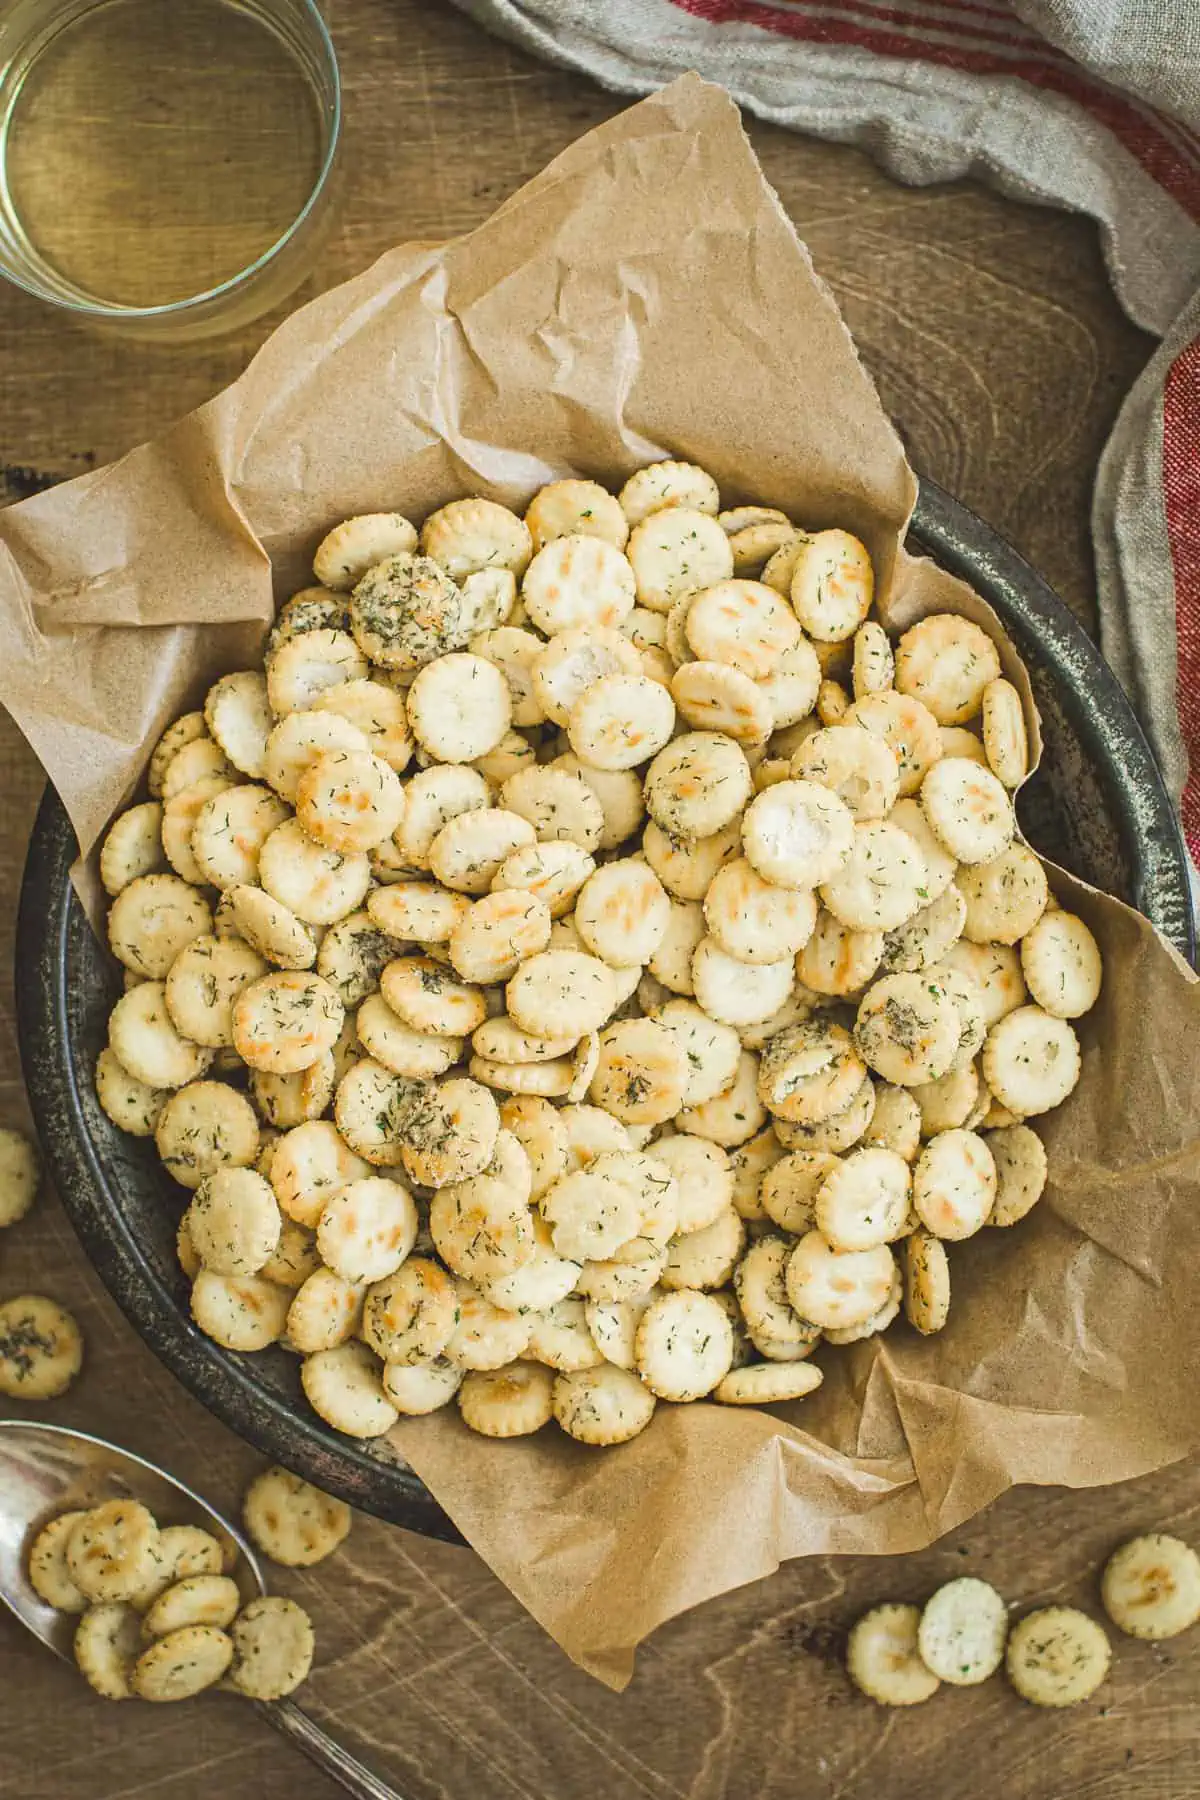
1002, 354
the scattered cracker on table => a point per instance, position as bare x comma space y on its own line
592, 962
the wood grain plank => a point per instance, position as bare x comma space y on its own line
998, 347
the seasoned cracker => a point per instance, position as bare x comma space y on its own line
968, 808
309, 1164
198, 762
239, 716
324, 1313
233, 1221
573, 659
152, 919
459, 707
419, 1388
560, 807
907, 1029
311, 609
742, 625
837, 1287
344, 554
410, 1316
864, 1200
832, 585
476, 534
571, 507
450, 1134
132, 847
797, 834
954, 1184
992, 973
882, 882
950, 1101
1005, 738
513, 1401
301, 669
836, 960
883, 1660
837, 1131
907, 727
317, 884
1031, 1061
404, 612
683, 1345
686, 865
754, 920
605, 1405
146, 1043
376, 712
620, 721
1057, 1656
946, 662
591, 1213
962, 1632
767, 1384
202, 984
738, 993
271, 928
560, 992
486, 1336
112, 1550
367, 1228
578, 581
734, 1114
809, 1072
1151, 1587
286, 1021
1061, 963
707, 1258
756, 543
298, 740
349, 801
1021, 1168
196, 1600
514, 652
183, 731
273, 1648
703, 1176
665, 484
695, 788
239, 1312
713, 696
344, 1387
468, 851
853, 763
926, 1282
371, 1107
49, 1575
108, 1641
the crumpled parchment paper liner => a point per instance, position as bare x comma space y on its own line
646, 296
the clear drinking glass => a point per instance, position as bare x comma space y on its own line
166, 166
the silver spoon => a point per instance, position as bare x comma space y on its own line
45, 1469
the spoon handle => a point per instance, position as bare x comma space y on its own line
287, 1718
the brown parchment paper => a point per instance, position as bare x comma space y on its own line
646, 296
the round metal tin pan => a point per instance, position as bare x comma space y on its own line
1098, 806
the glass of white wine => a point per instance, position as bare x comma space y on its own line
166, 166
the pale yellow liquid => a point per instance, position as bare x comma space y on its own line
157, 147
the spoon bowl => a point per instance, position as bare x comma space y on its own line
46, 1470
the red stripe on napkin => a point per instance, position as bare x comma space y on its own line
1181, 490
900, 34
